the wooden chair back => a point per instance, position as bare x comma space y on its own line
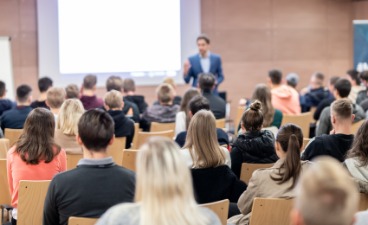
247, 170
116, 150
305, 143
303, 121
72, 160
31, 201
220, 208
143, 136
363, 203
355, 127
81, 221
135, 138
239, 114
220, 123
5, 197
13, 135
156, 127
129, 158
4, 147
271, 211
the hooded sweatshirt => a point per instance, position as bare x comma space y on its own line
286, 99
161, 113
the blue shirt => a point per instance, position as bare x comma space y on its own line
205, 62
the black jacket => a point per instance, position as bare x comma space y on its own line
138, 100
217, 104
124, 127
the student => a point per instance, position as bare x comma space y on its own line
254, 145
164, 193
314, 93
279, 180
131, 96
292, 80
177, 99
5, 104
339, 141
35, 156
54, 99
97, 183
124, 127
181, 118
72, 91
363, 95
325, 195
328, 100
44, 84
353, 76
88, 96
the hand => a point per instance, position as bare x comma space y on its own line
186, 67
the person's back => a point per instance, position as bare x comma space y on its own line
363, 95
206, 83
5, 104
130, 95
314, 93
88, 97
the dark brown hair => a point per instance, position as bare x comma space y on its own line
114, 83
206, 81
2, 88
128, 85
89, 81
252, 118
188, 95
364, 75
275, 76
37, 140
262, 93
72, 91
203, 37
359, 148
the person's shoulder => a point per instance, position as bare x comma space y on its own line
123, 171
124, 213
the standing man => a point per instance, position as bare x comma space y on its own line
203, 62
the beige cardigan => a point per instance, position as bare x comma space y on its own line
67, 142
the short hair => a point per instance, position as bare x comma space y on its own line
203, 37
55, 97
44, 84
342, 109
275, 76
320, 77
165, 93
72, 91
326, 195
23, 93
113, 99
70, 113
354, 75
2, 88
114, 83
292, 79
343, 87
96, 129
198, 103
364, 75
206, 81
333, 80
169, 80
252, 118
89, 81
128, 85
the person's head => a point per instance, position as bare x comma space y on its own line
325, 195
2, 89
202, 139
364, 77
188, 95
206, 82
128, 85
203, 43
114, 83
342, 113
165, 94
317, 80
275, 77
359, 148
113, 100
342, 88
24, 95
95, 130
36, 142
353, 76
44, 84
89, 82
292, 79
289, 142
262, 93
252, 118
169, 80
72, 91
332, 82
70, 113
198, 103
164, 185
55, 97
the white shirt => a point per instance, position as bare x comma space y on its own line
180, 122
205, 62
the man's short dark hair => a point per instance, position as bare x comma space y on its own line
343, 87
197, 103
2, 88
23, 92
128, 85
333, 80
206, 81
275, 76
203, 37
44, 84
114, 83
89, 81
354, 75
364, 75
96, 128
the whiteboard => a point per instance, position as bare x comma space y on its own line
6, 69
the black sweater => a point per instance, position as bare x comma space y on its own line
15, 118
124, 127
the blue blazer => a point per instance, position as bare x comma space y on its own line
196, 69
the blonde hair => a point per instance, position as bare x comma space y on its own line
164, 186
169, 80
55, 97
113, 99
202, 141
326, 194
165, 93
70, 113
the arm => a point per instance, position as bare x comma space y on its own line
188, 72
238, 188
50, 211
236, 161
245, 201
323, 125
220, 75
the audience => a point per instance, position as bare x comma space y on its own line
177, 98
292, 80
284, 98
182, 117
363, 95
35, 156
43, 86
314, 93
353, 76
88, 96
54, 99
254, 145
72, 91
97, 183
130, 95
5, 104
164, 193
326, 102
279, 180
339, 141
124, 127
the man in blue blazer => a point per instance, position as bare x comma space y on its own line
203, 62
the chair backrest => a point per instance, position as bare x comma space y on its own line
355, 127
143, 136
305, 142
220, 208
31, 201
135, 138
129, 158
156, 127
13, 135
271, 211
247, 170
303, 121
4, 147
116, 150
5, 197
72, 160
239, 114
363, 204
81, 221
220, 123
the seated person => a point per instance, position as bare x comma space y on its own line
88, 96
341, 91
5, 104
278, 181
72, 91
363, 95
254, 145
339, 141
130, 95
97, 183
292, 80
177, 98
353, 76
198, 103
314, 93
181, 118
124, 127
328, 100
54, 99
44, 84
16, 117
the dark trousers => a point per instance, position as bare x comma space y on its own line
14, 222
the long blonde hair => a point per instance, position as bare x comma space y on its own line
164, 186
70, 113
202, 141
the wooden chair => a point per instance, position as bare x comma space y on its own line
271, 211
363, 203
305, 143
5, 197
135, 138
247, 170
303, 121
143, 136
220, 123
4, 147
13, 135
220, 208
81, 221
31, 201
72, 160
129, 158
239, 114
355, 127
116, 150
156, 127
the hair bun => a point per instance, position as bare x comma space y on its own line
256, 105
